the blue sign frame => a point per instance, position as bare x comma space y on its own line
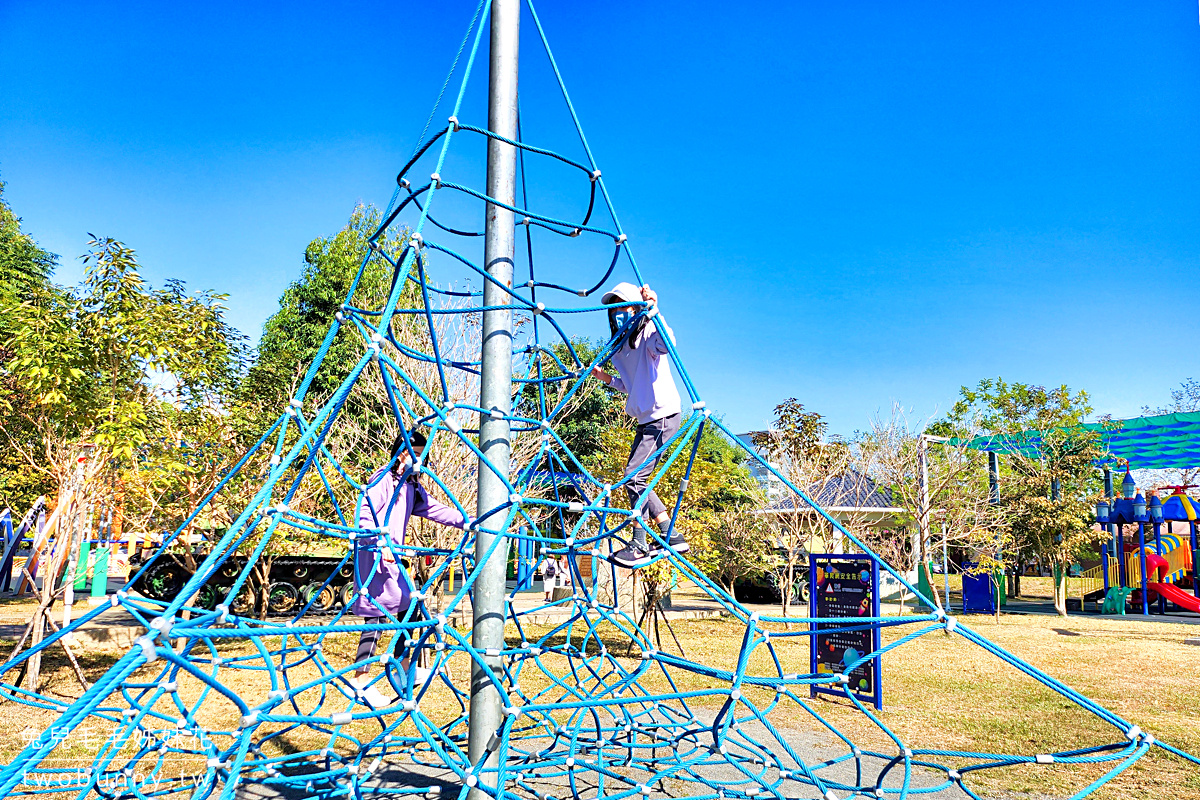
841, 594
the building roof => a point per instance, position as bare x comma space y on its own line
850, 491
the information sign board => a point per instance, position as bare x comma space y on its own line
845, 588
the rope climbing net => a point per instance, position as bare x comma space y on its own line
215, 697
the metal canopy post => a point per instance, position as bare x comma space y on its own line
923, 510
1111, 529
495, 390
994, 499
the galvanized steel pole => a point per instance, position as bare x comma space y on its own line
495, 390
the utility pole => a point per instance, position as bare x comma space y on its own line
495, 387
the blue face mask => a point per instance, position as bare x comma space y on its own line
620, 318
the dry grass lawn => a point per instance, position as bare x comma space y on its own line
939, 691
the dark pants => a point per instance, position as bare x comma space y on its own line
369, 640
646, 440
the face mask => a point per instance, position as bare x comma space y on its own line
620, 318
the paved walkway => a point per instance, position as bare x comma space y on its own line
815, 748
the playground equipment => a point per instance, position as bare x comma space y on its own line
542, 713
33, 521
1159, 567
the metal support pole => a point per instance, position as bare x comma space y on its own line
994, 499
1112, 529
495, 390
1104, 565
993, 478
1142, 562
945, 567
1122, 559
1162, 601
923, 511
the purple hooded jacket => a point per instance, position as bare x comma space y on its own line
388, 587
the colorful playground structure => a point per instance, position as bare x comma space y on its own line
1152, 564
1148, 571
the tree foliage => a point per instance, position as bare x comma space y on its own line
110, 362
25, 271
1046, 497
25, 267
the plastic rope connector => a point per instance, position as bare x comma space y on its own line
148, 649
1043, 758
951, 624
454, 126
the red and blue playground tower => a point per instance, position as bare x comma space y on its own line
1155, 574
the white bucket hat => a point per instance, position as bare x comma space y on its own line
622, 291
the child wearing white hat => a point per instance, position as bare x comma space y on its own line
653, 400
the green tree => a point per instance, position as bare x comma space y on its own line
1050, 485
592, 410
719, 484
831, 470
25, 267
109, 362
292, 336
25, 271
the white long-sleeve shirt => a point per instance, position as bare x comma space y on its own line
645, 378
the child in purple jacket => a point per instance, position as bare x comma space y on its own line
653, 400
392, 496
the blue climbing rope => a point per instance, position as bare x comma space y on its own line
212, 698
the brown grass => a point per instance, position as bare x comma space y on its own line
939, 691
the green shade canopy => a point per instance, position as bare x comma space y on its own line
1159, 442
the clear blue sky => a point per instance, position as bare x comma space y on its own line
849, 203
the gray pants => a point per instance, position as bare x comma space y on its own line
646, 440
369, 640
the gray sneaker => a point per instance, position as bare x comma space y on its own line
630, 557
676, 543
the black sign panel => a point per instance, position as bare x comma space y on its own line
845, 590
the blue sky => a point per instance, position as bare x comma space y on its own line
853, 204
